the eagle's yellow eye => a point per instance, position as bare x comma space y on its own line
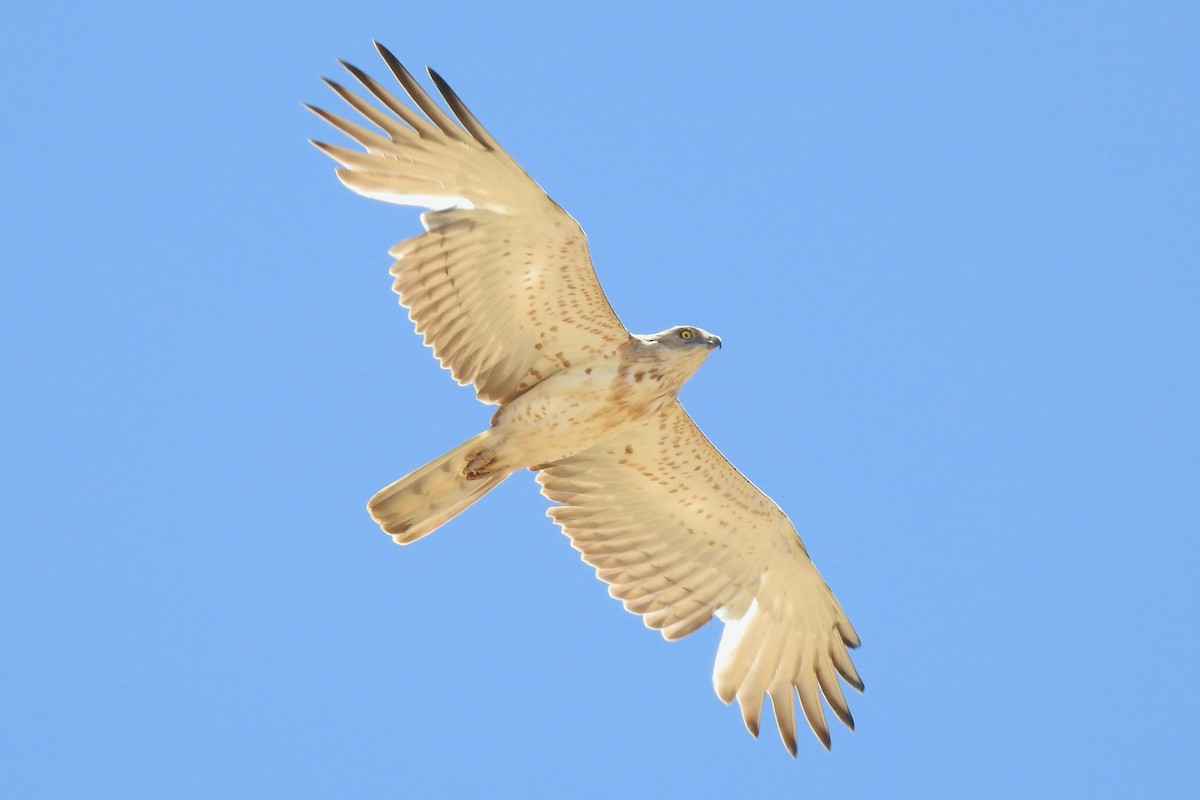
686, 333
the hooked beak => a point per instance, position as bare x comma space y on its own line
714, 341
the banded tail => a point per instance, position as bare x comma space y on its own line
431, 495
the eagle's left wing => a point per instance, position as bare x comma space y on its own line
501, 285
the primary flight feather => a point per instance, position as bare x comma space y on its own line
502, 287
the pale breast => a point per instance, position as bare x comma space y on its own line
576, 407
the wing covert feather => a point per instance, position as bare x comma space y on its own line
680, 535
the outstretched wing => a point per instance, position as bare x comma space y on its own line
680, 535
501, 284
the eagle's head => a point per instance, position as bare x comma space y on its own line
686, 337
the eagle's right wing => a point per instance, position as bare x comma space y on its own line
680, 535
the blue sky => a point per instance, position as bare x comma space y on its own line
954, 256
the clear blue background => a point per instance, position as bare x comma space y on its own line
955, 258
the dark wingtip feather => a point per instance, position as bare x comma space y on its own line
445, 90
442, 86
355, 71
468, 120
322, 146
322, 113
418, 95
389, 58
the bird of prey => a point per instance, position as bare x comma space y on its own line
503, 290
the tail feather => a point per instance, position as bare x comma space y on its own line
431, 495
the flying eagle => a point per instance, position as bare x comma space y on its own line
502, 288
